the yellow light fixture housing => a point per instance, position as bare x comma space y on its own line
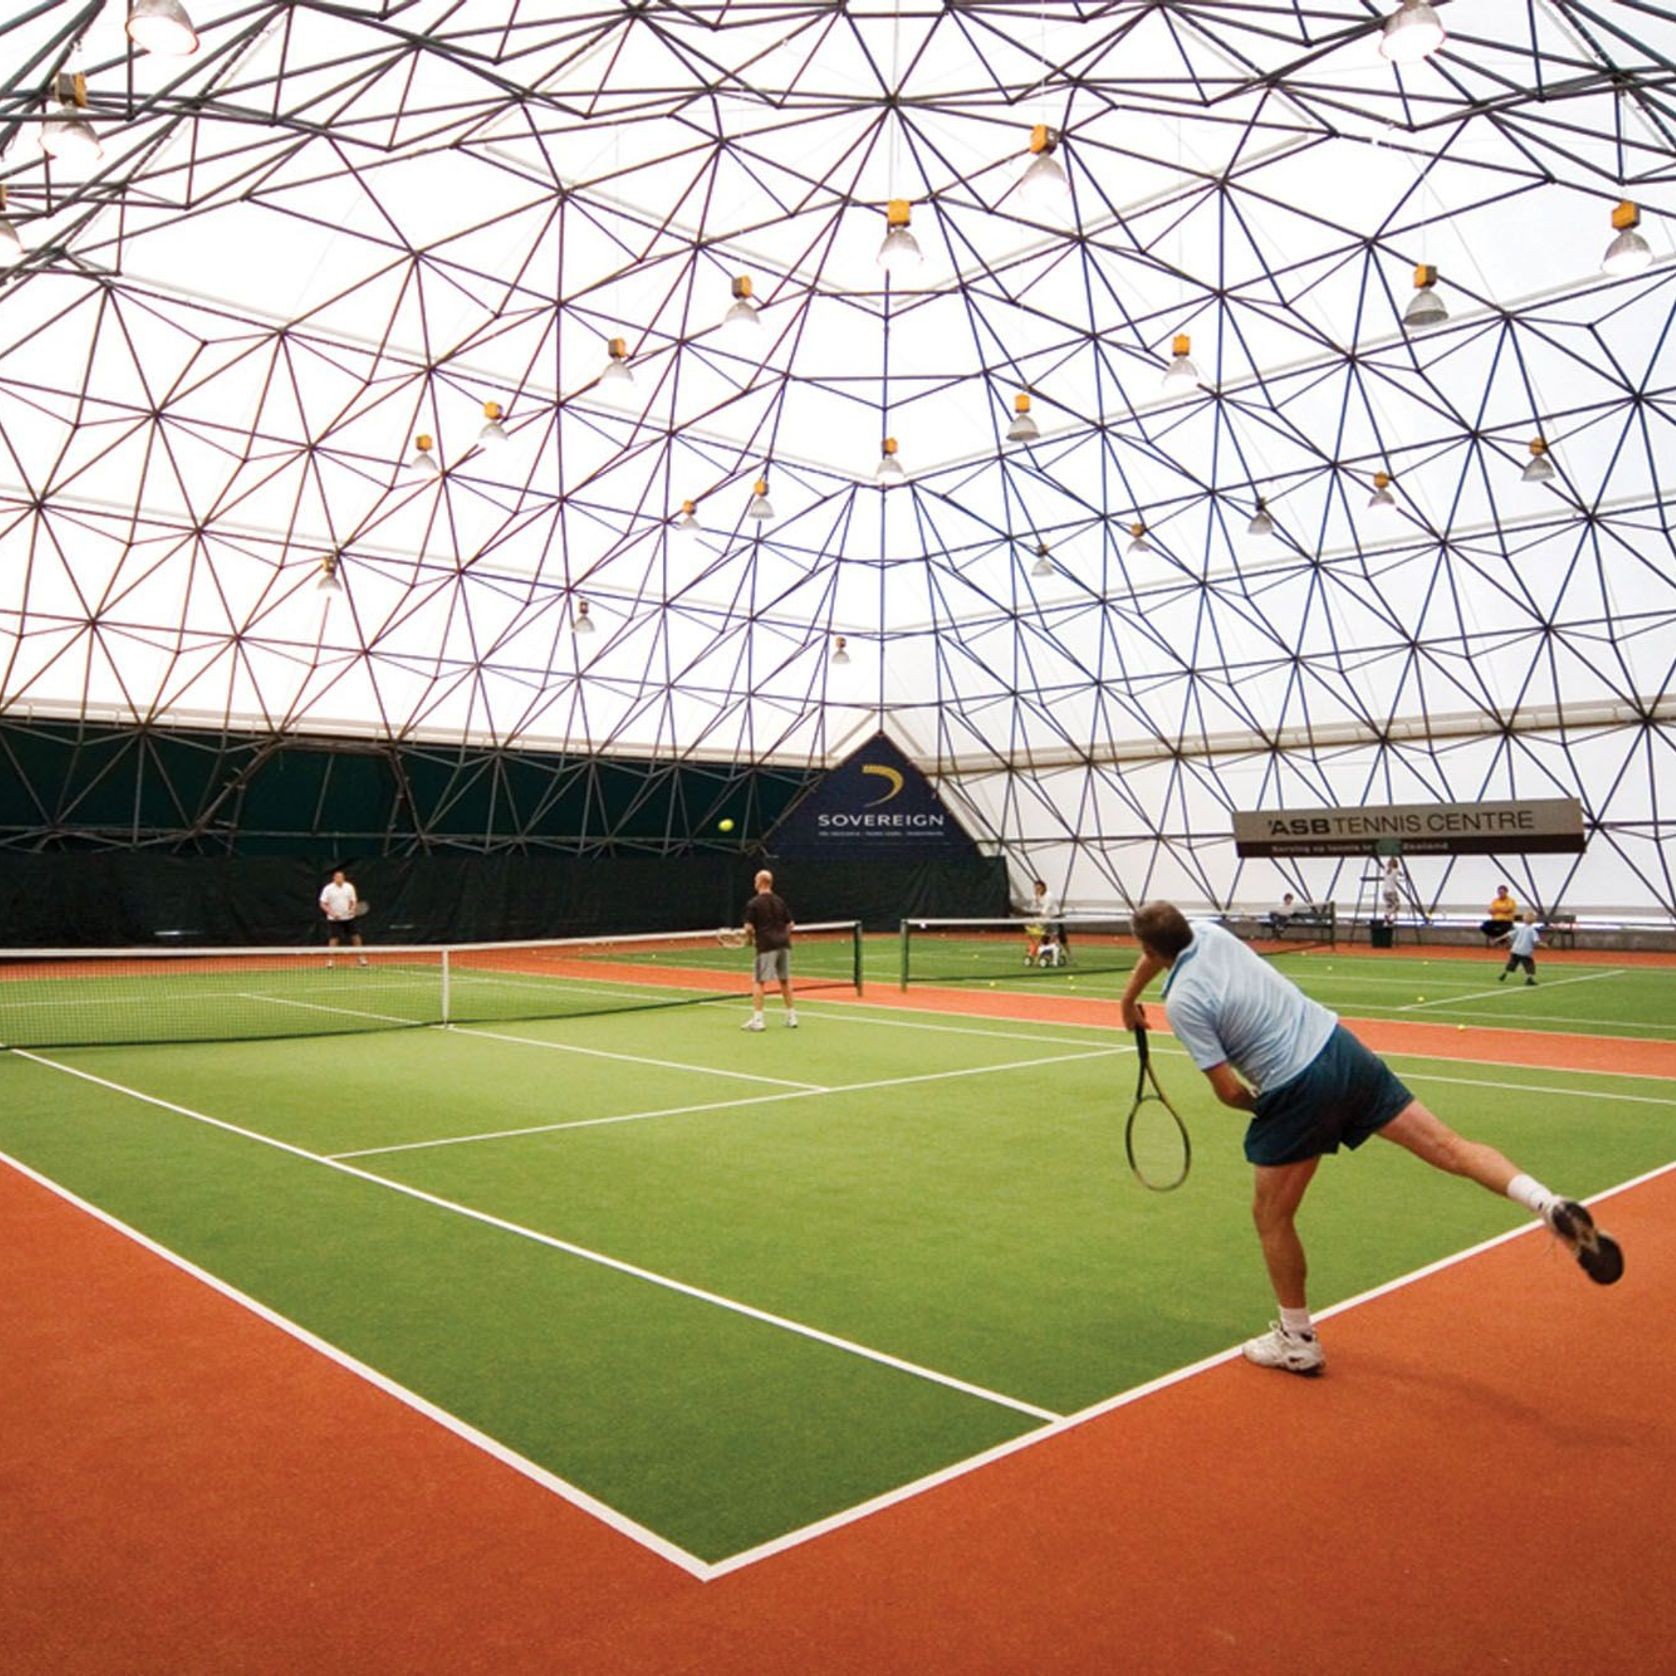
1539, 469
1382, 499
760, 508
1139, 545
1181, 375
1629, 252
900, 253
617, 368
741, 320
889, 469
329, 583
67, 137
1426, 308
1044, 184
1023, 427
424, 462
687, 522
493, 433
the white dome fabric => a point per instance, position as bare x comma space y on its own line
331, 231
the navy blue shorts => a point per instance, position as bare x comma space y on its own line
1344, 1094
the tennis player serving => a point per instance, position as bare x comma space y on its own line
1311, 1087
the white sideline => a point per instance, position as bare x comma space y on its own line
784, 1322
800, 1093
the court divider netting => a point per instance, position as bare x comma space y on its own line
945, 951
110, 997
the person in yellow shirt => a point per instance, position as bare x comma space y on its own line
1503, 912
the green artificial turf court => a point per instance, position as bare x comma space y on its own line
839, 1259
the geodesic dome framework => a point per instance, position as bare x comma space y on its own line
359, 385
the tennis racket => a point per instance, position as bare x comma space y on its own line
1155, 1139
731, 937
362, 909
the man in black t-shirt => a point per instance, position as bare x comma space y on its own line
768, 928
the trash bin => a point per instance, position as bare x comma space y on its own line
1381, 933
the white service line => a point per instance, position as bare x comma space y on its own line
634, 1058
321, 1007
1481, 994
561, 1487
805, 1093
666, 1282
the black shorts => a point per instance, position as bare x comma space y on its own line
1346, 1093
342, 929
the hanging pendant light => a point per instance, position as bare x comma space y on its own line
900, 253
329, 583
687, 523
741, 325
839, 654
1541, 468
1412, 32
889, 469
1044, 562
1139, 546
1044, 185
1628, 253
617, 379
761, 508
581, 619
1261, 523
1182, 375
69, 138
1382, 500
493, 434
423, 462
1425, 308
1023, 427
162, 27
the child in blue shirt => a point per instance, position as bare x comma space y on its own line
1522, 941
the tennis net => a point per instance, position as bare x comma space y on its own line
951, 951
108, 997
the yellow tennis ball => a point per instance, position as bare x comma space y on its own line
1419, 998
725, 826
1460, 1027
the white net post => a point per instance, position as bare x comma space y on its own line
443, 999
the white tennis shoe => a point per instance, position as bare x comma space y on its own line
1278, 1348
754, 1022
791, 1021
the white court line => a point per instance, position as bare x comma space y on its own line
1031, 1440
561, 1487
804, 1093
633, 1058
321, 1007
1483, 994
633, 1270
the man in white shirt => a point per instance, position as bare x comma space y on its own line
1310, 1086
338, 902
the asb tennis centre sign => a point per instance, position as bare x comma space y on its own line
875, 803
1544, 825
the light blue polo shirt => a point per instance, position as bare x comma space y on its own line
1228, 1004
1523, 940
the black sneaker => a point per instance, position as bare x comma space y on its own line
1597, 1253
